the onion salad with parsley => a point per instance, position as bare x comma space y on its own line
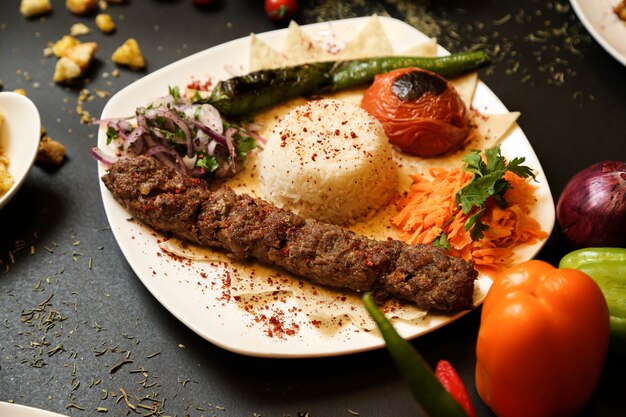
190, 137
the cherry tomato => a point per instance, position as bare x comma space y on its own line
281, 10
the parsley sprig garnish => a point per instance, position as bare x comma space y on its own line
488, 182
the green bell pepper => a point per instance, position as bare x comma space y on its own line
607, 266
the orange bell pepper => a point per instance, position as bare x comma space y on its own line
542, 341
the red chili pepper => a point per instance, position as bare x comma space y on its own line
451, 381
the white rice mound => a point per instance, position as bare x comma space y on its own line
328, 160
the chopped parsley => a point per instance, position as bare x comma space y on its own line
243, 145
111, 134
207, 162
174, 92
441, 241
488, 182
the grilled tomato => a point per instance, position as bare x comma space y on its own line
421, 112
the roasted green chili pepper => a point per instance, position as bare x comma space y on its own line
424, 385
348, 74
246, 94
607, 266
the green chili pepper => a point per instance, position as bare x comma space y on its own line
346, 74
424, 385
607, 266
246, 94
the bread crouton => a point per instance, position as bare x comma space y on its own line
82, 54
50, 151
129, 54
66, 70
32, 8
81, 7
79, 29
105, 23
63, 44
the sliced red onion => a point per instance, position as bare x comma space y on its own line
120, 122
205, 114
135, 135
190, 163
99, 155
200, 141
202, 133
210, 149
161, 149
163, 102
167, 156
173, 117
220, 139
230, 141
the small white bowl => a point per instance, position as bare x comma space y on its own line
19, 137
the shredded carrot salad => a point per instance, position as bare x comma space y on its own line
429, 209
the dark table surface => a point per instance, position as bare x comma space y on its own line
55, 241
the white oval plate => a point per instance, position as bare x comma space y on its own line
200, 294
16, 410
19, 138
603, 25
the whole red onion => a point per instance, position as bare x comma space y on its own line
591, 210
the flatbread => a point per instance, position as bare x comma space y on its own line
491, 129
466, 86
299, 47
369, 42
263, 56
427, 49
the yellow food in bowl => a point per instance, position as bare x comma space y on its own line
6, 179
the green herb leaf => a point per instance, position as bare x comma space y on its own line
174, 92
474, 162
476, 226
488, 182
495, 161
475, 193
111, 134
207, 162
441, 241
516, 167
243, 145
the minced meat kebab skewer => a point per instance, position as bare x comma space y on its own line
250, 228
